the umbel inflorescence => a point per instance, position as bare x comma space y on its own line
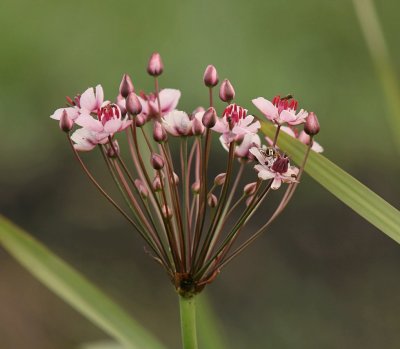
192, 219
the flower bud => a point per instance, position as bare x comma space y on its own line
197, 127
113, 151
196, 187
249, 189
210, 77
159, 133
220, 179
212, 200
176, 178
141, 188
121, 104
155, 66
157, 162
311, 127
210, 118
226, 91
133, 105
166, 211
126, 86
66, 123
140, 120
157, 184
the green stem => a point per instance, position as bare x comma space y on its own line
188, 322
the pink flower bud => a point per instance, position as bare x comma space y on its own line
156, 184
166, 212
212, 200
176, 178
140, 120
133, 105
250, 188
113, 151
66, 122
196, 187
210, 118
141, 188
197, 127
157, 162
159, 133
155, 66
121, 104
226, 91
311, 127
220, 179
210, 77
126, 86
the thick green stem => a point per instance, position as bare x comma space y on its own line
188, 322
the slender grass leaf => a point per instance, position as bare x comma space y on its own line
346, 188
74, 288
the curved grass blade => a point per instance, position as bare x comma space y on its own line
378, 49
74, 288
346, 188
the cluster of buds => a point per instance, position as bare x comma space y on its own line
191, 223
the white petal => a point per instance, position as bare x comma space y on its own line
276, 183
88, 100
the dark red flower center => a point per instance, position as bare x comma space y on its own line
285, 103
233, 113
108, 112
281, 165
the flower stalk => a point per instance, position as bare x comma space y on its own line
187, 308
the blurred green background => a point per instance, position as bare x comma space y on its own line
321, 278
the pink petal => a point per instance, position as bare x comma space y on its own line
169, 99
88, 100
145, 106
99, 96
287, 116
266, 107
112, 125
71, 112
276, 183
89, 123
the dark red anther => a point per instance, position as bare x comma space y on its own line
281, 165
108, 112
276, 100
293, 104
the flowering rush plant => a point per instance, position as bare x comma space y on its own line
194, 221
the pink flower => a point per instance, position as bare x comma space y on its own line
177, 123
281, 110
235, 124
277, 168
169, 99
86, 140
109, 120
89, 102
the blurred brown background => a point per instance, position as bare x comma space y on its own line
321, 278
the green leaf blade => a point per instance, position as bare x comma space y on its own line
74, 288
346, 188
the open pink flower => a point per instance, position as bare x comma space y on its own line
88, 102
235, 124
177, 123
169, 99
278, 169
85, 140
281, 110
109, 120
